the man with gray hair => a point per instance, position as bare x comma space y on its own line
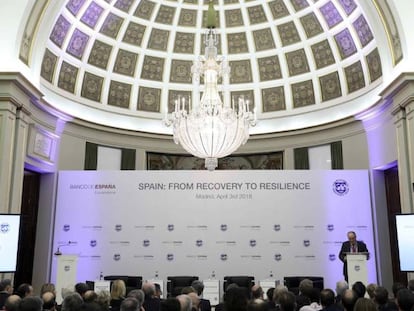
72, 302
341, 287
130, 304
138, 294
151, 303
185, 302
199, 287
31, 303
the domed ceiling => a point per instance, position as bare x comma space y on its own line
134, 57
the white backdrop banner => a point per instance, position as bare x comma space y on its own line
166, 223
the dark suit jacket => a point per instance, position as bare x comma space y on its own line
346, 248
205, 305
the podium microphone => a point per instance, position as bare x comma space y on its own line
58, 252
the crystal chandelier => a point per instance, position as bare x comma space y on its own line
210, 129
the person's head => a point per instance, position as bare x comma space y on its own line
371, 289
81, 288
236, 299
269, 293
185, 302
396, 288
351, 237
315, 295
148, 289
381, 295
158, 291
278, 291
257, 305
359, 289
138, 294
90, 296
348, 299
49, 301
198, 286
130, 304
341, 286
365, 304
188, 289
405, 299
257, 292
12, 303
170, 304
104, 299
6, 286
305, 286
72, 302
31, 303
48, 287
24, 290
287, 301
327, 297
118, 289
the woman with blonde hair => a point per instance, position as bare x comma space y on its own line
118, 292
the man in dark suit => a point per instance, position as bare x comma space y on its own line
351, 246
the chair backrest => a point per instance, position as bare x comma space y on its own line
241, 280
292, 282
176, 283
131, 282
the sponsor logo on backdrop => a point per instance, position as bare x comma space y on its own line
340, 187
253, 243
66, 268
223, 227
93, 243
278, 257
276, 227
170, 227
117, 257
223, 257
118, 227
199, 243
200, 227
5, 227
146, 243
332, 257
251, 227
330, 227
357, 268
306, 243
170, 257
66, 228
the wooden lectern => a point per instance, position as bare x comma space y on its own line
357, 267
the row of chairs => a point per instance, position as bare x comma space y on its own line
176, 283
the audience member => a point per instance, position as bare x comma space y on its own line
170, 304
287, 301
405, 299
151, 303
81, 289
31, 303
12, 303
256, 292
48, 287
382, 300
395, 288
302, 299
6, 289
410, 285
118, 292
158, 291
90, 296
195, 301
348, 300
130, 304
315, 301
49, 301
199, 287
138, 294
365, 304
269, 298
236, 299
359, 289
72, 302
104, 300
341, 287
328, 300
187, 289
257, 304
371, 289
24, 290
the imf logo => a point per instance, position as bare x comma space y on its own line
340, 187
66, 268
276, 227
117, 257
146, 243
278, 257
170, 257
253, 243
199, 243
332, 257
4, 227
223, 257
93, 243
170, 227
357, 268
223, 227
66, 228
330, 227
118, 228
306, 243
